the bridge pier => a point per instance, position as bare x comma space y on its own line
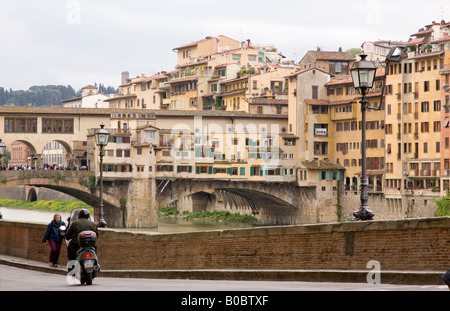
140, 206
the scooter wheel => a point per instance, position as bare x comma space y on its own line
88, 278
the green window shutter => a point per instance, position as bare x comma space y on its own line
320, 175
210, 169
178, 169
215, 170
230, 171
328, 175
197, 170
242, 171
251, 171
190, 169
261, 172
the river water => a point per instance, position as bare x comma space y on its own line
164, 226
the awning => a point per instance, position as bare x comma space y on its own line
416, 41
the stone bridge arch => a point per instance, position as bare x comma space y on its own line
73, 183
271, 202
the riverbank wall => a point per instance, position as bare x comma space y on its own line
401, 245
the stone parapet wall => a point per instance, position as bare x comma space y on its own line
416, 244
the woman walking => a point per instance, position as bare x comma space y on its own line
54, 238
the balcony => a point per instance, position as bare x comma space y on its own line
445, 69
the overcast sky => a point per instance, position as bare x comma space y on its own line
81, 42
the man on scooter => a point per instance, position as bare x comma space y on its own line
82, 224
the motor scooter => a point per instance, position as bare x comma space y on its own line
86, 267
87, 260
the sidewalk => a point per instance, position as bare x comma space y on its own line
340, 276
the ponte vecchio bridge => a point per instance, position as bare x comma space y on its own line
135, 188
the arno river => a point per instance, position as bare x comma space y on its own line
165, 225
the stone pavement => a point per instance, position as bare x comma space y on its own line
339, 276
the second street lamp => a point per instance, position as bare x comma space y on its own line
363, 75
101, 139
2, 153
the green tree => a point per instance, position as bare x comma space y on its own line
443, 205
354, 51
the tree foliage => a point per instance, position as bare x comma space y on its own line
443, 206
44, 96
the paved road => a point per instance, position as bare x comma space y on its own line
15, 279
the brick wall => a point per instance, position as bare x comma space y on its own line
418, 244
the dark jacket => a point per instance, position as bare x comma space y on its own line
52, 233
82, 224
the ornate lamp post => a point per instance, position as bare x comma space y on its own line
2, 154
2, 150
363, 75
101, 139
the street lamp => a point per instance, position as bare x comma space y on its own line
2, 150
2, 153
363, 75
101, 139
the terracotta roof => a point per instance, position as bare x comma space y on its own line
337, 81
72, 99
233, 93
416, 41
326, 102
119, 97
224, 65
324, 55
155, 77
422, 33
13, 110
237, 79
322, 165
427, 55
146, 127
266, 101
305, 70
89, 87
195, 63
444, 39
195, 43
192, 78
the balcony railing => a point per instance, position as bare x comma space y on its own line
445, 69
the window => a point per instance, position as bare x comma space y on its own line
424, 126
426, 86
437, 105
252, 58
19, 125
315, 92
149, 134
261, 57
60, 126
236, 57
